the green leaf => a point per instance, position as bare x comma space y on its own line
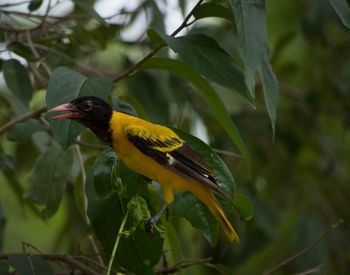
6, 162
64, 86
342, 8
252, 35
188, 206
212, 99
30, 265
136, 253
22, 131
17, 80
213, 10
123, 107
138, 208
103, 173
34, 5
4, 267
154, 36
204, 55
87, 6
243, 206
2, 226
50, 175
21, 50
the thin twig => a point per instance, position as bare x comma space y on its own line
181, 265
156, 49
33, 114
115, 247
91, 146
84, 258
305, 250
311, 270
59, 257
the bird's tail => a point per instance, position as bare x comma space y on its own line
215, 208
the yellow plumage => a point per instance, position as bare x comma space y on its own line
123, 125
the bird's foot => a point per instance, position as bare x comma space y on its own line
151, 223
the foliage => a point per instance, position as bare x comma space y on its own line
72, 195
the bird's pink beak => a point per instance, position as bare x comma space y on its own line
65, 107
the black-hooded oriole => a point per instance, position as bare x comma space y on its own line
151, 150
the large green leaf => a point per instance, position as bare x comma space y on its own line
136, 253
50, 175
212, 99
17, 80
30, 265
213, 10
204, 55
342, 8
65, 85
243, 206
252, 35
22, 131
188, 206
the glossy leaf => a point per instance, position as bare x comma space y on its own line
22, 131
252, 35
106, 215
34, 5
213, 10
49, 176
30, 264
65, 85
6, 161
17, 80
206, 91
243, 206
204, 55
342, 8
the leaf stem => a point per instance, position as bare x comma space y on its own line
117, 243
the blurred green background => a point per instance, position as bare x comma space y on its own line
299, 184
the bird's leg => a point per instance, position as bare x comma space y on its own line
153, 220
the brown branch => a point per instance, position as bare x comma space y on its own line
33, 114
311, 270
305, 250
156, 49
59, 257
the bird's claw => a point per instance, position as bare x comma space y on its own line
151, 223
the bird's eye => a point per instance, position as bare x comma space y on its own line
87, 106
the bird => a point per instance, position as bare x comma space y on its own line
152, 150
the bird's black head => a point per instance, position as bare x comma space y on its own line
93, 112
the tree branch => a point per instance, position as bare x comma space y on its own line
59, 257
305, 250
156, 49
182, 264
34, 114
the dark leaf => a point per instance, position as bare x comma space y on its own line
204, 55
123, 107
21, 50
213, 10
30, 265
103, 173
17, 80
87, 7
252, 35
49, 176
22, 131
65, 85
154, 36
6, 161
34, 5
243, 206
2, 226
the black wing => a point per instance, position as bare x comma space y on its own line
175, 155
